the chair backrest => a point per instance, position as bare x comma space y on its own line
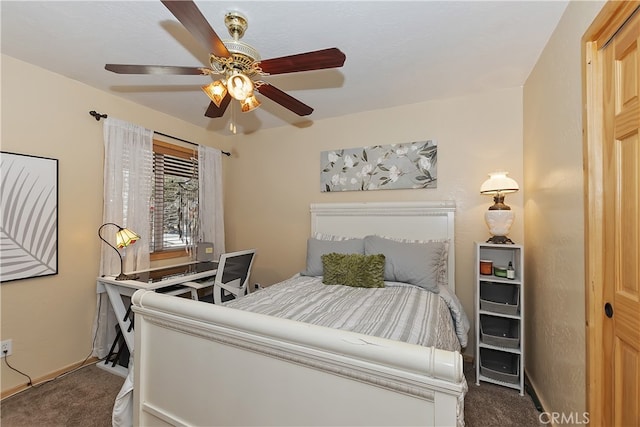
234, 269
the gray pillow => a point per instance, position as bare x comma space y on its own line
419, 264
316, 248
443, 278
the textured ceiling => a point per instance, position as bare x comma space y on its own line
397, 52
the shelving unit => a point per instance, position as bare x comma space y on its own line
499, 320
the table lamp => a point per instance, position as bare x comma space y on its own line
124, 238
499, 217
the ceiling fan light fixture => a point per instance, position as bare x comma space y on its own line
240, 86
238, 64
249, 104
216, 91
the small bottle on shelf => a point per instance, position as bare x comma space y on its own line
511, 273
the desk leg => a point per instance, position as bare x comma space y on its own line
120, 310
115, 298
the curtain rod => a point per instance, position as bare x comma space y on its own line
99, 116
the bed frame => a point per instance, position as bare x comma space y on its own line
201, 364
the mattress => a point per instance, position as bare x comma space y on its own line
398, 311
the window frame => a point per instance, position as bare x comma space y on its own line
163, 147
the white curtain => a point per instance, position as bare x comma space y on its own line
128, 177
211, 213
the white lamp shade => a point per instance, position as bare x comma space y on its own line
126, 237
240, 86
499, 183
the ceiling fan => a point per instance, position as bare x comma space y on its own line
237, 62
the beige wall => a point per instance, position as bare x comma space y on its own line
554, 235
275, 175
49, 319
270, 181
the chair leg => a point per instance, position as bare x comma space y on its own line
112, 353
122, 349
129, 316
218, 292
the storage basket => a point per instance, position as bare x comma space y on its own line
499, 365
500, 331
502, 298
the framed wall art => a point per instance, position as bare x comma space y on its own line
380, 167
29, 216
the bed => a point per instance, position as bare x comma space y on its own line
202, 364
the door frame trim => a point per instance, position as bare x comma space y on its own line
612, 16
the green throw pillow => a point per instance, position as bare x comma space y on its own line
363, 271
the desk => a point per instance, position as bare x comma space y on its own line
152, 279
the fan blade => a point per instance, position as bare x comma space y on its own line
153, 69
320, 59
214, 111
287, 101
192, 19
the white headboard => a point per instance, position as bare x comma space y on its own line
405, 220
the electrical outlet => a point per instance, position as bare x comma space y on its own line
6, 346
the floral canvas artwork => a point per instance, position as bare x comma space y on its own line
380, 167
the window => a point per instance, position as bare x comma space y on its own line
174, 200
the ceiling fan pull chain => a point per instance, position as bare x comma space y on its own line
232, 124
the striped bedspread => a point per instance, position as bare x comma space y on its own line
399, 311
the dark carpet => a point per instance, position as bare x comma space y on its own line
85, 399
489, 405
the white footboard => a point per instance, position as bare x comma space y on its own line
203, 364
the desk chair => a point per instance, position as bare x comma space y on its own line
232, 280
184, 288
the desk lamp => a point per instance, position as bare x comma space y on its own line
124, 238
499, 217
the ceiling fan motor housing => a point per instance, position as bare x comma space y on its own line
243, 55
236, 23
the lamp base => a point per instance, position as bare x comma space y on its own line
500, 240
123, 276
